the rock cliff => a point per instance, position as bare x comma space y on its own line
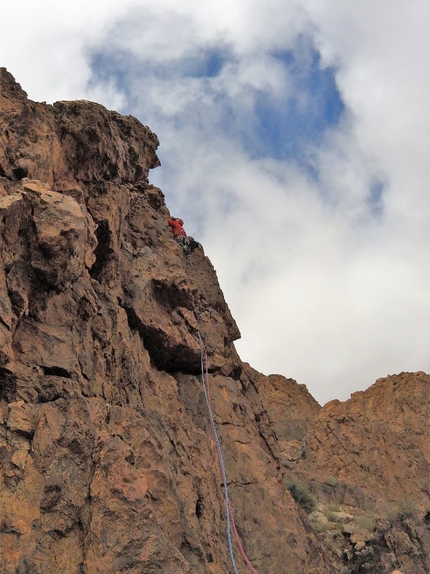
108, 463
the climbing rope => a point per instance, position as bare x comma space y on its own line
239, 543
228, 508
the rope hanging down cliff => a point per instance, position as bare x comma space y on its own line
228, 509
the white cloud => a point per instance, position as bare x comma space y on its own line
43, 43
328, 282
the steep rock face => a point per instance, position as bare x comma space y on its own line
108, 462
107, 459
370, 456
378, 438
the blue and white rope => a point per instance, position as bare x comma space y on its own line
221, 459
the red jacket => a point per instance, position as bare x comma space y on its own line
176, 225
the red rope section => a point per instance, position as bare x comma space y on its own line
239, 543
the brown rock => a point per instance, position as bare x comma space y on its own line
377, 438
360, 536
108, 461
21, 418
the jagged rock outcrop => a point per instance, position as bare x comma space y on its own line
107, 460
377, 447
378, 438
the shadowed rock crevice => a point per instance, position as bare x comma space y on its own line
165, 356
56, 372
170, 296
20, 172
7, 385
103, 252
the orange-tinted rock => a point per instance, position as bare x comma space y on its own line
108, 461
378, 438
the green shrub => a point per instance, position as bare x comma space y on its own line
320, 527
365, 522
406, 508
331, 481
392, 515
403, 509
302, 496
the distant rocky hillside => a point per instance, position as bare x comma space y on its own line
108, 462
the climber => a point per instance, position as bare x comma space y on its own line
185, 241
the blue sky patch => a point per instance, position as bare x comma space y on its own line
208, 64
283, 126
107, 68
107, 65
280, 126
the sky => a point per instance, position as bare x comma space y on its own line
294, 142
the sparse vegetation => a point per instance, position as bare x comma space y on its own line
403, 509
406, 508
392, 515
331, 481
302, 496
366, 522
320, 526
